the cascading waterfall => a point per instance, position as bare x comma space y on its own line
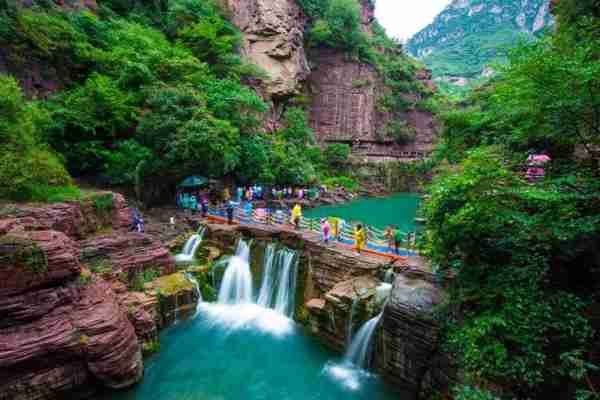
359, 350
284, 302
196, 285
350, 319
190, 247
278, 287
266, 288
236, 286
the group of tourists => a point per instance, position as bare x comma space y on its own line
332, 228
194, 200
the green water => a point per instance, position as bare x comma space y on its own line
399, 209
247, 352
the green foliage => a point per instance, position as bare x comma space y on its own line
517, 250
296, 128
23, 252
343, 181
337, 24
101, 266
461, 43
336, 155
28, 169
143, 277
150, 347
104, 204
401, 132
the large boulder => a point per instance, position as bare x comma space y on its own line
408, 348
273, 36
127, 252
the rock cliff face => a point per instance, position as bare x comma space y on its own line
64, 330
58, 334
343, 94
407, 350
273, 36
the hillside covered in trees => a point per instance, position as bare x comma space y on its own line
468, 36
524, 257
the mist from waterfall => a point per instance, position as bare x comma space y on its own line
190, 247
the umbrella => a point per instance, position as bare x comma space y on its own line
193, 181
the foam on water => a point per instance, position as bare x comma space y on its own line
248, 316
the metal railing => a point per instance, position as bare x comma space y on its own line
376, 238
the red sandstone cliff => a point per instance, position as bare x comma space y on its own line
343, 94
62, 332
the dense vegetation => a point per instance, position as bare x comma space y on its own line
149, 95
524, 256
463, 41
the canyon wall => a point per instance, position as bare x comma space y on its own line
341, 94
68, 325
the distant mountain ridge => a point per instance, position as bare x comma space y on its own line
468, 34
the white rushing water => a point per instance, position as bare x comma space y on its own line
359, 350
236, 286
278, 287
349, 326
190, 277
284, 302
265, 296
190, 247
274, 305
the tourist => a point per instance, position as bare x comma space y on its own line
172, 222
335, 225
389, 235
230, 209
359, 238
398, 238
140, 225
536, 163
296, 215
226, 195
240, 194
325, 228
204, 206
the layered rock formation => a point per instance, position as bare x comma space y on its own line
408, 351
58, 334
273, 40
64, 330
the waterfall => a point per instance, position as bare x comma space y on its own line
196, 285
284, 302
389, 276
359, 349
266, 287
236, 286
190, 247
278, 286
350, 318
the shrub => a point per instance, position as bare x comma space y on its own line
336, 155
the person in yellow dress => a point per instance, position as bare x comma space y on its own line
296, 215
359, 238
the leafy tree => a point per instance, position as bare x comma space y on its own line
296, 128
336, 155
27, 166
